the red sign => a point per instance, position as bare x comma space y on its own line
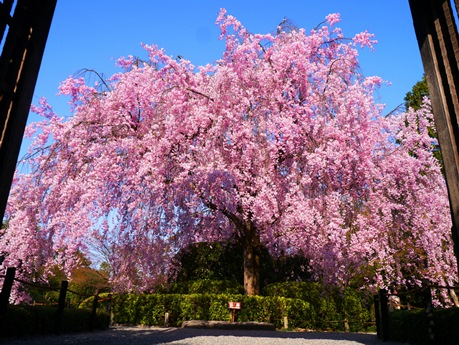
234, 305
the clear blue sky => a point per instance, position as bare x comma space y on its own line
94, 33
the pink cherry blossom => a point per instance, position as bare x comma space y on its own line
333, 18
278, 143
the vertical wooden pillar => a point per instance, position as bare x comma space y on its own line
6, 289
61, 306
95, 302
20, 62
437, 37
377, 316
384, 310
426, 287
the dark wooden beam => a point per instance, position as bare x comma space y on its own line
437, 37
20, 61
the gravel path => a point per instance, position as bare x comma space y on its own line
189, 336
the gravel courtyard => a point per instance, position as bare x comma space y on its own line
190, 336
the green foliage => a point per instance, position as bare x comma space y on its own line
29, 320
413, 99
307, 305
446, 330
149, 309
204, 286
212, 261
85, 281
48, 295
218, 307
103, 301
408, 326
411, 326
290, 268
224, 262
331, 305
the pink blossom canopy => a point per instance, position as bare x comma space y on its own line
282, 132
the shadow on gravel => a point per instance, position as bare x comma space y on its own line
182, 336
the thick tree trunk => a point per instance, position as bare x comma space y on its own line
251, 244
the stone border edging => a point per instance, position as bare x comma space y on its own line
260, 326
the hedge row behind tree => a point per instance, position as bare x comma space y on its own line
330, 303
150, 309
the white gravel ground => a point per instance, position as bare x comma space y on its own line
190, 336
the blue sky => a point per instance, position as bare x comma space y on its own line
92, 34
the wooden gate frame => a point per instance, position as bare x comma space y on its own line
27, 31
437, 37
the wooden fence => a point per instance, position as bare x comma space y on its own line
9, 280
385, 302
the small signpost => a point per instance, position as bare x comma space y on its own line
234, 306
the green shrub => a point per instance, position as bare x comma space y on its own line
254, 308
307, 305
194, 307
127, 308
330, 305
29, 320
218, 307
408, 325
355, 307
411, 326
104, 300
203, 286
150, 309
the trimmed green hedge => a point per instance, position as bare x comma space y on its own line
307, 305
150, 309
411, 326
29, 320
103, 301
331, 305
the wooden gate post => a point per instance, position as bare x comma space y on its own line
437, 37
92, 320
6, 289
384, 309
426, 287
61, 306
377, 316
20, 61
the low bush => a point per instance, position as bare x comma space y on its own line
29, 320
104, 300
331, 305
204, 286
149, 309
411, 326
307, 305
